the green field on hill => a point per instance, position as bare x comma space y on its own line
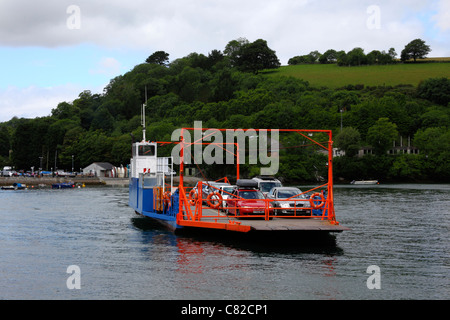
333, 76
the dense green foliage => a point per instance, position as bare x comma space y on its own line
98, 127
355, 57
416, 49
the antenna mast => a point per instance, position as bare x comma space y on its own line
143, 116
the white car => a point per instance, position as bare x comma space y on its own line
290, 201
225, 192
266, 183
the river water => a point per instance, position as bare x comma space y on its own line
401, 229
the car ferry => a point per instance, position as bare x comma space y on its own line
152, 193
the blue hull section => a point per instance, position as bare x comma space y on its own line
143, 200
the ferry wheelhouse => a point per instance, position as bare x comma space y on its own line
152, 194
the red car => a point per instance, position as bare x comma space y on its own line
243, 202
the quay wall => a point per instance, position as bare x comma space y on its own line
88, 181
35, 181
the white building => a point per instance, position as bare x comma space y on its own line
98, 169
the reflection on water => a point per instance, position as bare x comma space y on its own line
266, 243
403, 229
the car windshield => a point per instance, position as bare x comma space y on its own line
251, 195
284, 194
267, 186
228, 189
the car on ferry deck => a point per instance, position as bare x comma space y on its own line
266, 183
207, 188
247, 200
215, 186
289, 201
225, 192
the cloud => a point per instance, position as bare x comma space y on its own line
181, 27
442, 17
33, 101
107, 66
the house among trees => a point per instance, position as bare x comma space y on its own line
98, 169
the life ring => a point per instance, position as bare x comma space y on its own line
192, 197
312, 200
211, 202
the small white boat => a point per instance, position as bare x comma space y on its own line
364, 182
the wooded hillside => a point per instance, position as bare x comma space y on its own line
215, 90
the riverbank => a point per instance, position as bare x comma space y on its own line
87, 181
48, 181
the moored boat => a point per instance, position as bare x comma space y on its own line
364, 182
15, 186
63, 185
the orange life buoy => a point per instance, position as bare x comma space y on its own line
192, 197
212, 201
312, 200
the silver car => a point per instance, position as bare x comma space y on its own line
289, 201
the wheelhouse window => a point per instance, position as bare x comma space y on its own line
146, 150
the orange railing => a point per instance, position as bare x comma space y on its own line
193, 208
196, 207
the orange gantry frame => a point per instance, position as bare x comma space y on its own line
192, 213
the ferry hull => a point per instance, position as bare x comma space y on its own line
144, 202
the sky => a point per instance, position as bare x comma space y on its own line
52, 50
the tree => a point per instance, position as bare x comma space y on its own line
158, 57
257, 56
28, 143
214, 57
433, 141
64, 110
435, 116
434, 145
5, 144
329, 56
374, 57
233, 49
436, 90
314, 56
356, 57
416, 49
348, 140
310, 58
298, 60
381, 135
392, 53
